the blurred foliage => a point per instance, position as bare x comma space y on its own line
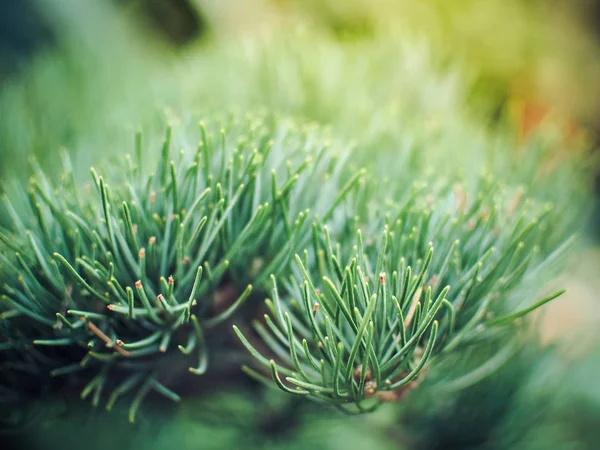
537, 402
533, 49
396, 93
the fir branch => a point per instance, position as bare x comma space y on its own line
377, 323
84, 256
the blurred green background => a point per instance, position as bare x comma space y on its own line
453, 76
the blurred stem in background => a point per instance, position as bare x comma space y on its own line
179, 22
23, 32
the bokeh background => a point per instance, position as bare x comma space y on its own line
85, 75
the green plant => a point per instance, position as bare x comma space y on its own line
117, 288
362, 321
121, 282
